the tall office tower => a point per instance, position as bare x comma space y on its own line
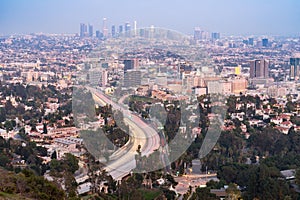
128, 64
135, 28
120, 29
104, 78
294, 68
83, 30
127, 29
215, 36
245, 42
205, 35
259, 69
104, 28
95, 77
98, 77
91, 30
197, 33
151, 31
99, 35
113, 31
250, 41
132, 78
142, 32
265, 42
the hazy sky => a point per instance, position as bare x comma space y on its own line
269, 17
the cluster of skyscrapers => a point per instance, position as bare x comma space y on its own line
263, 43
200, 34
88, 30
259, 69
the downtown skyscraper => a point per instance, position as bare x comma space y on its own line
83, 30
113, 31
91, 30
104, 28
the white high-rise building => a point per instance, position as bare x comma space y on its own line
104, 78
98, 77
135, 28
104, 28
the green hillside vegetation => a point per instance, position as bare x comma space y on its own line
26, 185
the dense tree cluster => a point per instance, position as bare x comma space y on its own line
253, 163
257, 181
15, 151
63, 170
26, 184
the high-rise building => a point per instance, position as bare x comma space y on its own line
99, 35
104, 77
91, 30
113, 31
83, 30
104, 28
132, 78
142, 32
197, 33
259, 69
251, 41
205, 35
265, 42
215, 36
131, 64
128, 64
245, 42
95, 77
120, 29
135, 28
294, 68
98, 77
127, 29
151, 31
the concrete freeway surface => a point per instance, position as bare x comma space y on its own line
141, 134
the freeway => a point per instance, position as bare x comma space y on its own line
141, 133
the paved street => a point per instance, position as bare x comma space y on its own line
141, 134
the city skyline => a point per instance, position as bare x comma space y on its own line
152, 114
229, 18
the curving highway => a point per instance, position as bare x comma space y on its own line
123, 160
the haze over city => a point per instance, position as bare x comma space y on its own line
150, 100
232, 17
